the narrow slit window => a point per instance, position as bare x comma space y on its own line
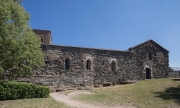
150, 56
113, 66
42, 40
88, 64
67, 63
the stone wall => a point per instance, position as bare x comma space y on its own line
78, 76
174, 75
74, 67
153, 56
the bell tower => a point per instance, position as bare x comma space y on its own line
45, 35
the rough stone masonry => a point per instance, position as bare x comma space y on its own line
69, 67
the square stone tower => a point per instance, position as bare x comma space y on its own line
45, 35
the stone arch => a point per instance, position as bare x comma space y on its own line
113, 65
88, 61
88, 64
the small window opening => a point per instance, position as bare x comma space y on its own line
42, 40
88, 64
150, 56
103, 63
67, 63
113, 66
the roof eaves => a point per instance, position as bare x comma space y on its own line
89, 48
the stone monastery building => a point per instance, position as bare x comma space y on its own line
77, 67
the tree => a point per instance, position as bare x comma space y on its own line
20, 51
170, 69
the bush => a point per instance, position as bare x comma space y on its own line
19, 90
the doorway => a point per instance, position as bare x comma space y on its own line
148, 73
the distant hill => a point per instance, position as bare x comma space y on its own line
176, 68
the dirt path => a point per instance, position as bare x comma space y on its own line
67, 99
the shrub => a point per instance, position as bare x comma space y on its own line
19, 90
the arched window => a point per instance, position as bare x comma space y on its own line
67, 63
113, 66
88, 64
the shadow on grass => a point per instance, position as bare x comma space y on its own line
172, 93
176, 79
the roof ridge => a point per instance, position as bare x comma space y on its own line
41, 30
144, 43
139, 44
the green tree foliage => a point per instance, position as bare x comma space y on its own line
20, 50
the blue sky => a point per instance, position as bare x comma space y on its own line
109, 24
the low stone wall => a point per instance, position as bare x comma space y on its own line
174, 74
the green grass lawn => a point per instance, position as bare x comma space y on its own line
154, 93
32, 103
